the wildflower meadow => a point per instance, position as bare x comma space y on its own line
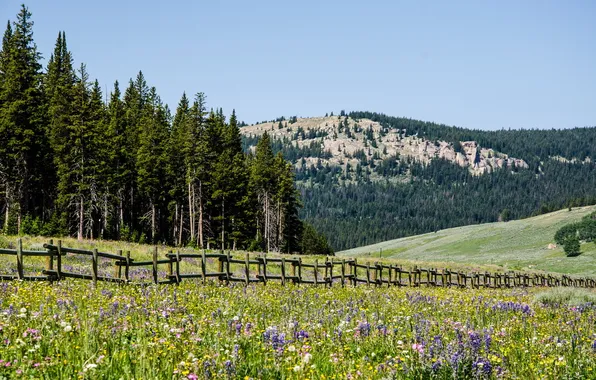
73, 329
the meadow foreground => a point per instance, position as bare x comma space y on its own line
74, 330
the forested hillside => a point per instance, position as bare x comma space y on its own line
367, 177
74, 164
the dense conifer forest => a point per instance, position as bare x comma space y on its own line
74, 164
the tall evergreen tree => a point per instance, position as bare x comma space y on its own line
135, 98
197, 169
262, 179
21, 118
117, 160
177, 170
151, 159
5, 55
229, 184
100, 173
287, 200
59, 88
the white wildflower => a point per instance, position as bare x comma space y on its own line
306, 358
90, 366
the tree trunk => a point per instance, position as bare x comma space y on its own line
201, 214
7, 216
181, 226
121, 223
267, 221
132, 204
175, 226
152, 222
105, 215
19, 217
81, 219
223, 225
191, 210
279, 225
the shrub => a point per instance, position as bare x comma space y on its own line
571, 246
565, 297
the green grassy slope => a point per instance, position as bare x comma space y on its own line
520, 245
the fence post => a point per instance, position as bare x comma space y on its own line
355, 273
368, 273
220, 268
264, 268
300, 269
246, 270
283, 271
228, 274
170, 266
204, 266
50, 258
20, 259
59, 261
391, 279
343, 272
118, 268
415, 273
177, 267
94, 266
330, 263
127, 267
155, 265
316, 271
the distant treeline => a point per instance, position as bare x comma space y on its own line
74, 164
532, 145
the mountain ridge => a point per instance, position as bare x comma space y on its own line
343, 138
399, 177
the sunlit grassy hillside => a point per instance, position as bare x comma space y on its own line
520, 245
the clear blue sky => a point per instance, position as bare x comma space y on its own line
476, 64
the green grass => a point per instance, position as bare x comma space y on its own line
565, 297
516, 245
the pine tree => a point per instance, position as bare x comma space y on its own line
211, 149
78, 189
288, 203
197, 171
5, 55
176, 168
100, 173
151, 159
21, 118
262, 178
135, 98
229, 184
116, 155
59, 90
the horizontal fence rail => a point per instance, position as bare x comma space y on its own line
263, 269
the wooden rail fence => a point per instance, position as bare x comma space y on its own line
263, 269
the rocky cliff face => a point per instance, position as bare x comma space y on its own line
344, 138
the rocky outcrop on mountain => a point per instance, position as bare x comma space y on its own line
348, 141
